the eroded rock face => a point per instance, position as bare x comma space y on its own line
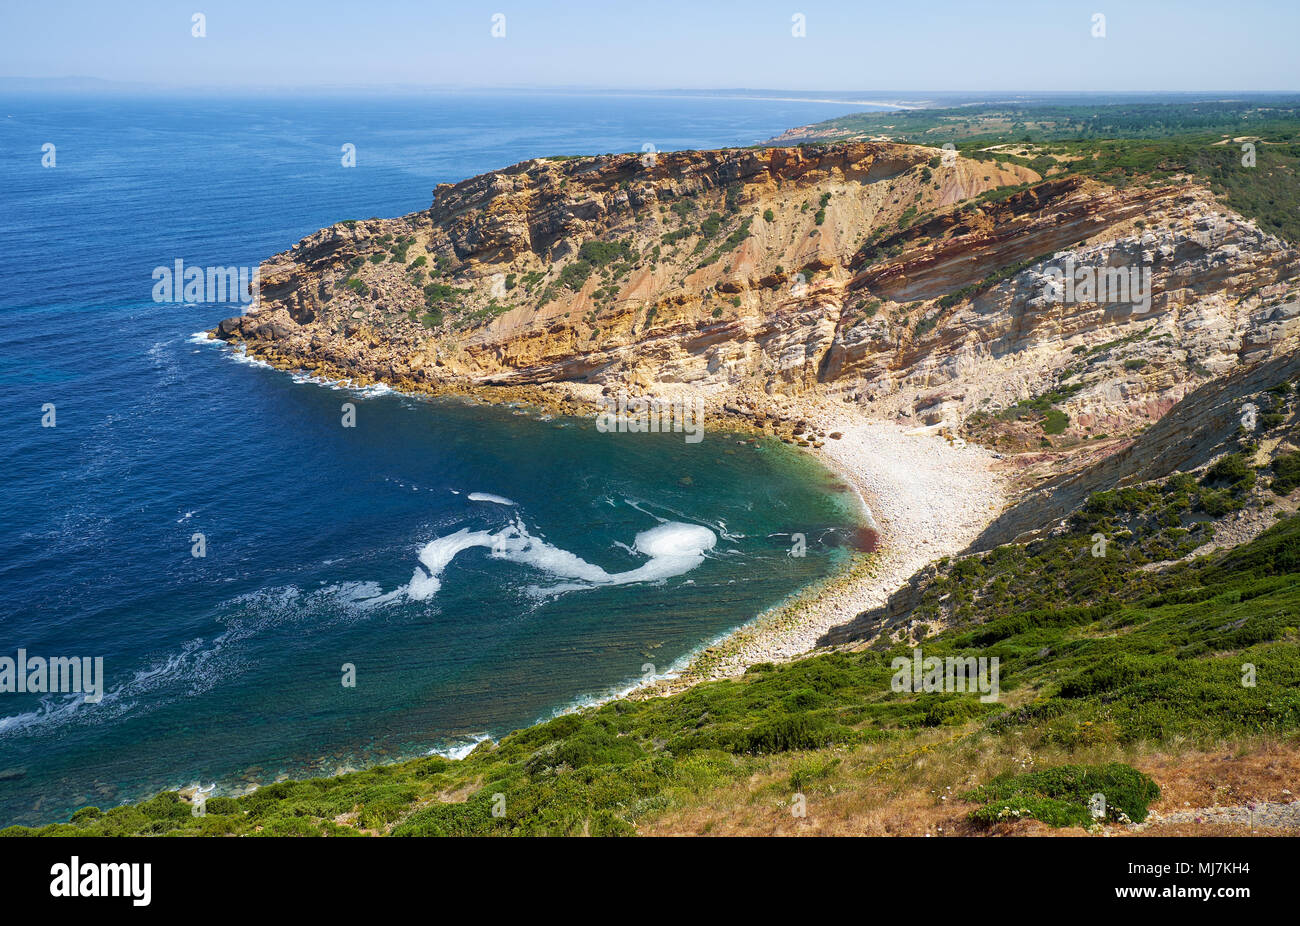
780, 270
1218, 293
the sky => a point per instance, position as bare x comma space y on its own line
853, 45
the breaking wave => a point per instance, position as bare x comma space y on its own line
671, 549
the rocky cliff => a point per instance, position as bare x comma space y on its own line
906, 279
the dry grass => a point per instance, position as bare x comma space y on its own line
1231, 775
912, 789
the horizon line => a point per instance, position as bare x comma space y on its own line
106, 85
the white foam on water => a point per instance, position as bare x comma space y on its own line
239, 353
489, 497
462, 748
52, 710
672, 548
201, 664
434, 558
632, 504
188, 666
726, 534
675, 539
375, 389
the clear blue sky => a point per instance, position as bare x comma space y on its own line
918, 45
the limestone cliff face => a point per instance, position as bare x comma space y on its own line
700, 280
1221, 293
896, 276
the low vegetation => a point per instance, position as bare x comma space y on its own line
1069, 795
1125, 143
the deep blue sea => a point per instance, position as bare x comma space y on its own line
567, 563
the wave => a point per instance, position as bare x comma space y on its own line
239, 353
460, 747
190, 665
669, 549
672, 549
489, 497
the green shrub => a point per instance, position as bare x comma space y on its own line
86, 815
575, 274
784, 734
1216, 502
1286, 473
472, 818
602, 253
439, 292
221, 805
1055, 421
1232, 469
1063, 796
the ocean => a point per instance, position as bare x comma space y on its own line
440, 573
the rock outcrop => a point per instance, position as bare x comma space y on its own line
920, 284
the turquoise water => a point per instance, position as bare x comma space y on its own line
582, 561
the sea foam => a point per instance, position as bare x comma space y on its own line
672, 548
489, 497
